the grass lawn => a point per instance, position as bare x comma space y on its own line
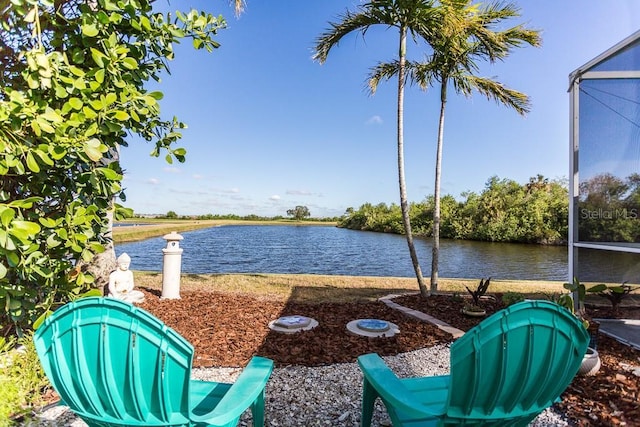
312, 288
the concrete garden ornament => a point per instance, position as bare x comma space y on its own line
121, 282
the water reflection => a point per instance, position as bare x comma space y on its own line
608, 266
460, 258
331, 250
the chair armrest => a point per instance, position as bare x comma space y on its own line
241, 394
391, 389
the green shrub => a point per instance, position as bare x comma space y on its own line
510, 298
22, 380
615, 294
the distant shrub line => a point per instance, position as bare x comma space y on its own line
505, 211
233, 217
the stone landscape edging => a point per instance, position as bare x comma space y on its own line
455, 332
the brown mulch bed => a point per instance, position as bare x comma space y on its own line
226, 330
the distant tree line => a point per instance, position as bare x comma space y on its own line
250, 217
505, 211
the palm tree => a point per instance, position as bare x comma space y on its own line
464, 35
238, 6
409, 16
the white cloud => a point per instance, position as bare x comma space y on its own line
170, 169
197, 176
275, 198
236, 196
233, 190
374, 120
153, 181
299, 193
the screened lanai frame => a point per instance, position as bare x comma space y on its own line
605, 147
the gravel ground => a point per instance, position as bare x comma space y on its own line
316, 396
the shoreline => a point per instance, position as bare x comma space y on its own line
159, 227
328, 288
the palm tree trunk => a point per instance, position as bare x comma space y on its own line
404, 205
435, 249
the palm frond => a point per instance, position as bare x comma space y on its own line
496, 91
498, 11
239, 6
496, 45
518, 35
416, 16
347, 23
382, 71
420, 18
424, 74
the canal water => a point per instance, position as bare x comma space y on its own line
338, 251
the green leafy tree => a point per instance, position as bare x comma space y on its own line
408, 16
498, 203
465, 33
299, 212
450, 214
545, 211
505, 211
72, 92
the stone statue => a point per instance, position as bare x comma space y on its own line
121, 282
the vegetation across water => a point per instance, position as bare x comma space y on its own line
505, 211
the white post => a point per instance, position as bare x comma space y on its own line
172, 261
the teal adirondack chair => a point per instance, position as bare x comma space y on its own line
115, 364
504, 372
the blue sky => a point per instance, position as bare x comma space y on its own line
269, 128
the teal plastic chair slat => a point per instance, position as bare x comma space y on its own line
115, 364
504, 372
